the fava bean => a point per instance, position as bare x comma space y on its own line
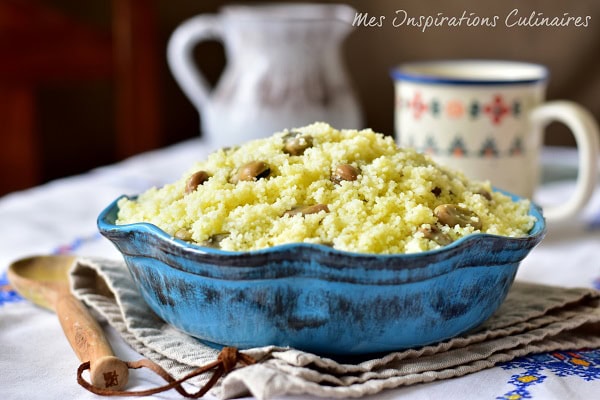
215, 240
344, 172
195, 180
252, 171
434, 233
485, 194
452, 215
294, 143
305, 210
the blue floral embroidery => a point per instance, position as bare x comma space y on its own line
7, 293
584, 364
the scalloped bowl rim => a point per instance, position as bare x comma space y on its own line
539, 229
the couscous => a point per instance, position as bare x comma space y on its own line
352, 190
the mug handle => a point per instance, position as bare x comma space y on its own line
585, 130
180, 56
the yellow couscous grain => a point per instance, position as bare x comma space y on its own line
385, 201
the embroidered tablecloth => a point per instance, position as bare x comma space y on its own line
60, 217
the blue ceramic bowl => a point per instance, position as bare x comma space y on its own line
316, 298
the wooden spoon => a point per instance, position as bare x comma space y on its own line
44, 280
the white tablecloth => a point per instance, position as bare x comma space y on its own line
60, 217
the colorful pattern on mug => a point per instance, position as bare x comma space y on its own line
458, 149
495, 109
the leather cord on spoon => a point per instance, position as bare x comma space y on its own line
226, 361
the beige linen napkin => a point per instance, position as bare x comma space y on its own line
533, 319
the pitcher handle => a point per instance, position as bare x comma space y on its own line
585, 130
180, 56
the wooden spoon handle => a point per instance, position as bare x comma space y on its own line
87, 339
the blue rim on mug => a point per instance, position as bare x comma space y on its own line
454, 72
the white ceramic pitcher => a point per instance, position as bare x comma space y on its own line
284, 69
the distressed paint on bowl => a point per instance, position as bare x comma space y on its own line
316, 298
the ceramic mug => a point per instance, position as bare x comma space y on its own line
486, 118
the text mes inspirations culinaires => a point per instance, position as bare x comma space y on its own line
514, 18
